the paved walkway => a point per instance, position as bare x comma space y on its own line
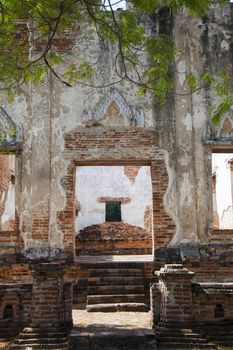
112, 331
111, 320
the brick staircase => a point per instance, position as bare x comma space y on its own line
121, 339
116, 289
9, 330
177, 337
219, 333
41, 339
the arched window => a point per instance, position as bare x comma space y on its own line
8, 312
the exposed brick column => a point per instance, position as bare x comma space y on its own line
176, 295
48, 308
50, 315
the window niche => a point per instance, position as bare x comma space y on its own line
113, 212
8, 312
219, 311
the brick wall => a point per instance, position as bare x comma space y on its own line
48, 297
209, 298
113, 238
40, 223
62, 43
17, 296
5, 178
221, 235
112, 231
132, 172
178, 298
15, 273
66, 218
9, 244
176, 295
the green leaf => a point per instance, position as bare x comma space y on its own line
10, 96
192, 82
207, 77
146, 5
220, 109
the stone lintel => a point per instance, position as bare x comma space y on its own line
176, 270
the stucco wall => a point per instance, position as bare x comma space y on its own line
52, 110
93, 183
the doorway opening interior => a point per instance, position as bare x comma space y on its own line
114, 225
222, 190
7, 192
113, 210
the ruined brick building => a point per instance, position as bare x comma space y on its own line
110, 201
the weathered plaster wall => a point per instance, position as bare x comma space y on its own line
94, 183
50, 111
46, 113
206, 44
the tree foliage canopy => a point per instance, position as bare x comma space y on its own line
24, 24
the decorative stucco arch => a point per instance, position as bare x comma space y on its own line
130, 116
10, 133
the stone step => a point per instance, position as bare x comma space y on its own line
116, 289
135, 307
218, 335
41, 340
8, 329
123, 339
223, 343
115, 299
39, 347
223, 330
47, 330
175, 333
193, 346
179, 338
117, 280
112, 272
58, 335
175, 337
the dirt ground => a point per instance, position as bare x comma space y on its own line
3, 345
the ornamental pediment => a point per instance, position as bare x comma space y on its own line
113, 110
10, 133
